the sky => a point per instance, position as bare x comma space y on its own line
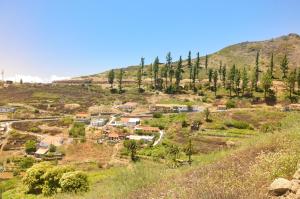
44, 40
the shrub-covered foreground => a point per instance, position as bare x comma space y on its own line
48, 179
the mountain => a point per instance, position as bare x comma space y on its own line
241, 54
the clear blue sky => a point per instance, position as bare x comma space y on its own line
77, 37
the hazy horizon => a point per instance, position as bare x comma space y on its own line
52, 40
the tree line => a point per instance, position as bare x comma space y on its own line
168, 76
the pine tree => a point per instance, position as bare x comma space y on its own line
256, 70
195, 73
298, 79
111, 78
215, 77
169, 67
231, 76
220, 70
164, 74
150, 74
142, 66
155, 72
237, 81
266, 82
290, 82
245, 81
197, 66
190, 66
120, 80
224, 75
210, 75
284, 66
206, 62
272, 65
139, 78
178, 73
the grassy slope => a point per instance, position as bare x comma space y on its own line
243, 54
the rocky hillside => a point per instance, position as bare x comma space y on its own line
243, 54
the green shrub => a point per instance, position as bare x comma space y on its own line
75, 181
157, 115
30, 146
77, 130
238, 124
52, 148
66, 121
52, 177
230, 104
26, 162
33, 180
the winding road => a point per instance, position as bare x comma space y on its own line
161, 135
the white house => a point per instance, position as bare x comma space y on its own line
97, 122
129, 122
147, 138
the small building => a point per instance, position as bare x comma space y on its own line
173, 108
146, 138
128, 106
294, 107
83, 117
221, 108
41, 152
128, 122
7, 109
147, 129
97, 122
113, 136
54, 140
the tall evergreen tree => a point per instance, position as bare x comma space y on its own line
256, 70
210, 75
178, 73
231, 76
111, 78
155, 72
220, 70
120, 80
169, 67
266, 82
142, 66
206, 62
290, 81
284, 66
272, 65
215, 77
190, 67
139, 78
237, 81
150, 74
224, 75
195, 73
298, 79
197, 66
245, 80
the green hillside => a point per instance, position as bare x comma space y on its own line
241, 54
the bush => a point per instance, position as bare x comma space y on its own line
77, 130
66, 121
157, 115
52, 148
33, 180
238, 124
230, 104
26, 162
52, 177
30, 146
75, 181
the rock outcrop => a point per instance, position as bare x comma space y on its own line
282, 188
